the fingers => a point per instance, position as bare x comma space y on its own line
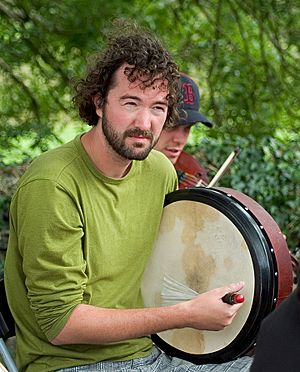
208, 310
234, 287
231, 296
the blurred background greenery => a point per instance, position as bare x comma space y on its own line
244, 54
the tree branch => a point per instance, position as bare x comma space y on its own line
34, 103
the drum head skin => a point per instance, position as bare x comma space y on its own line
208, 239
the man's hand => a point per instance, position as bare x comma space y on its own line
208, 312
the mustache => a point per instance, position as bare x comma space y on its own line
138, 132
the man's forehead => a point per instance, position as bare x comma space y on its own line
142, 81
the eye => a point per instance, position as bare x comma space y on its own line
159, 109
130, 103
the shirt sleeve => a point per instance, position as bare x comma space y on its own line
50, 229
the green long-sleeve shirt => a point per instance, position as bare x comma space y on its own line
77, 236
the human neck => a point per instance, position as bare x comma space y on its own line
103, 156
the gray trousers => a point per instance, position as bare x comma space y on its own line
158, 361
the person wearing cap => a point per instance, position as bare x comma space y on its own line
172, 140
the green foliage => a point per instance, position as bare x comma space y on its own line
43, 47
243, 54
267, 170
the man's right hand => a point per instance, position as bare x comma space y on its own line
208, 311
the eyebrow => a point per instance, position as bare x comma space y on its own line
128, 96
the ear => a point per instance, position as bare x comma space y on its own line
98, 106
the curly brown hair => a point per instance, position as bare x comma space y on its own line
128, 44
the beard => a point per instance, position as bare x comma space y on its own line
117, 141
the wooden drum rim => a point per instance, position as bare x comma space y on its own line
276, 238
271, 264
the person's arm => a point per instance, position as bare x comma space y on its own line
93, 325
54, 265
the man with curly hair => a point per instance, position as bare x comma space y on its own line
84, 220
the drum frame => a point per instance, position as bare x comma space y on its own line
260, 233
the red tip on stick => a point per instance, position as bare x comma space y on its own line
233, 298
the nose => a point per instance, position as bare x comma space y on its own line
143, 119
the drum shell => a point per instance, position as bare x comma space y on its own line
277, 285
